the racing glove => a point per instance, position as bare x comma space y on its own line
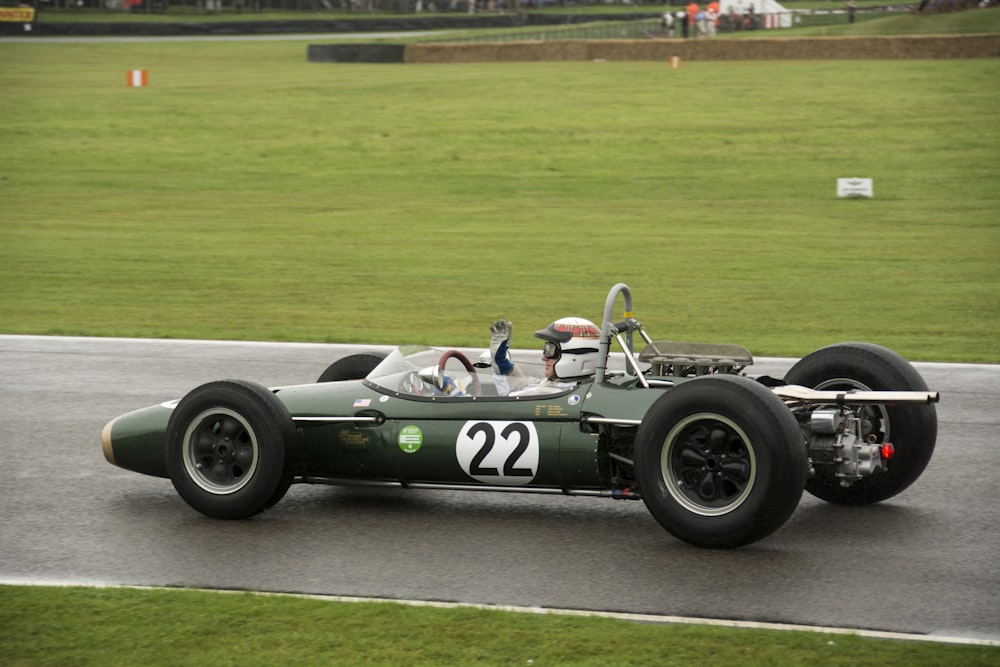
450, 387
501, 331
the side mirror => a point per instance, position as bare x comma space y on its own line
485, 360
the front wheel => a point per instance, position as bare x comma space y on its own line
720, 460
230, 449
911, 428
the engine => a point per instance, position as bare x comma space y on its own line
838, 449
668, 358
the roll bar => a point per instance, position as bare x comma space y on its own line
611, 329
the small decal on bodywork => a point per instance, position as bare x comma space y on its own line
553, 411
351, 438
410, 439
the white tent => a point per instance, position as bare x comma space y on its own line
772, 13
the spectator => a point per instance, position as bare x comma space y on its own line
692, 13
699, 21
711, 18
667, 24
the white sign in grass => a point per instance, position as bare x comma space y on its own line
854, 187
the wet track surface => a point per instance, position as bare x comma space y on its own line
923, 562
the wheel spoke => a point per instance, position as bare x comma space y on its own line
699, 437
736, 471
204, 443
220, 472
230, 428
707, 487
691, 456
243, 457
717, 440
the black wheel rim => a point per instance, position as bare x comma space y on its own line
708, 464
220, 451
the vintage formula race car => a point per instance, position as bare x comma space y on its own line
719, 458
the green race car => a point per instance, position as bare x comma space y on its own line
720, 458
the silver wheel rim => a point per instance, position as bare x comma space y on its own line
708, 464
220, 451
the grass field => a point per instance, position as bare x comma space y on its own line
249, 194
87, 626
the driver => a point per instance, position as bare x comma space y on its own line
570, 355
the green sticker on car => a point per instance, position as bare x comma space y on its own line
410, 439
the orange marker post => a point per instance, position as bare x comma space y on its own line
137, 78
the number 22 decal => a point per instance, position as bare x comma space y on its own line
496, 452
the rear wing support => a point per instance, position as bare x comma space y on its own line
793, 393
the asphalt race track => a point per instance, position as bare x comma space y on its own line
924, 562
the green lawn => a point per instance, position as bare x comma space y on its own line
88, 626
249, 194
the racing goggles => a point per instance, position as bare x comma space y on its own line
553, 351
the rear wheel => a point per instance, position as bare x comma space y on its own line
352, 367
230, 449
912, 429
721, 461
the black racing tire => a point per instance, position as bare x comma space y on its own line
231, 449
720, 461
911, 428
352, 367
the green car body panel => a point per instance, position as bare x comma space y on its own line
416, 439
136, 441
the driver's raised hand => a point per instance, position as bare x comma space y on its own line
501, 331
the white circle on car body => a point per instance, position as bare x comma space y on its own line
498, 452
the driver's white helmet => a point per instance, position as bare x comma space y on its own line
573, 342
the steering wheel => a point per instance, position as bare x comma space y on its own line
477, 387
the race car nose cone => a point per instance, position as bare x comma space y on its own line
109, 453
